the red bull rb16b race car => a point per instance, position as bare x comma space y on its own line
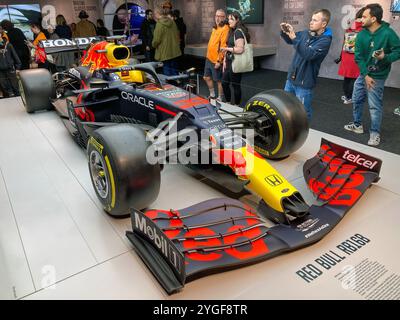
132, 120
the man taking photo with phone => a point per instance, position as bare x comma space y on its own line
377, 47
311, 47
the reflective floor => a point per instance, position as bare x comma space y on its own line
57, 243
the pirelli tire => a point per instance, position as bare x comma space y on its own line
288, 123
121, 175
36, 87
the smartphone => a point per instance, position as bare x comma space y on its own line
377, 52
285, 28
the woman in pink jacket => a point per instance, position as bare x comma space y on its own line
348, 67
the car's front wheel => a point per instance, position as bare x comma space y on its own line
121, 175
286, 126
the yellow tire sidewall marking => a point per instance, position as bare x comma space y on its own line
278, 147
111, 180
97, 145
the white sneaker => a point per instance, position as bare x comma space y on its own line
347, 101
397, 111
374, 139
354, 127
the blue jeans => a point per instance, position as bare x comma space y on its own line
375, 101
170, 67
304, 95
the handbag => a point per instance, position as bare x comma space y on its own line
243, 62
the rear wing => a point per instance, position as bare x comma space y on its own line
64, 45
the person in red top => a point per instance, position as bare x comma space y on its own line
348, 67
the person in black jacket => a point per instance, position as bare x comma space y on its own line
182, 29
237, 38
101, 29
121, 22
62, 29
9, 65
17, 39
146, 32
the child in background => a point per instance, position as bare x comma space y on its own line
348, 67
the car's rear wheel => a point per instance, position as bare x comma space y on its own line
121, 175
286, 127
36, 87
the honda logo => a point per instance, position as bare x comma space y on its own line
274, 180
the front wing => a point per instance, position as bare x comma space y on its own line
217, 235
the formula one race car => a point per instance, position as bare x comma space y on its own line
108, 105
132, 121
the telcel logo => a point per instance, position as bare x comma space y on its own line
140, 100
359, 160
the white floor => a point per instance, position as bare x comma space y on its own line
57, 243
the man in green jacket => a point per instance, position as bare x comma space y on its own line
377, 47
166, 41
